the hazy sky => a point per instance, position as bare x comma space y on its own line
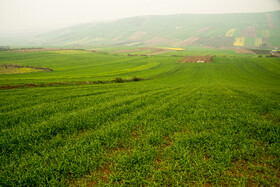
18, 15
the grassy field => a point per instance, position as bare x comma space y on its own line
184, 124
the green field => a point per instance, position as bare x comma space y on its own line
183, 124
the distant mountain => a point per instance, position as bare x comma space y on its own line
250, 30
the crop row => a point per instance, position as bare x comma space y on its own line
191, 124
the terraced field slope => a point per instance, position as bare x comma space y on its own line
186, 123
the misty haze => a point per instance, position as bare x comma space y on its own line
140, 93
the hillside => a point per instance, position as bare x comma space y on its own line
183, 124
254, 30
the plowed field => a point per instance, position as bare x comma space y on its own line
196, 59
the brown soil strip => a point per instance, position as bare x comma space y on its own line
137, 132
188, 41
159, 51
196, 59
159, 159
167, 142
100, 175
103, 173
252, 171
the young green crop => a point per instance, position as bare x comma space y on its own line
186, 124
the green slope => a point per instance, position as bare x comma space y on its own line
199, 124
171, 30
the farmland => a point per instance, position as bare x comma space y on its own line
239, 41
11, 69
258, 42
196, 59
172, 31
266, 33
230, 33
249, 32
177, 124
216, 41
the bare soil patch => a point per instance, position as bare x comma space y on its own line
103, 173
196, 59
100, 175
253, 171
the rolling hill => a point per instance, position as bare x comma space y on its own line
184, 124
249, 30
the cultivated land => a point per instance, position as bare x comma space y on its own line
183, 124
253, 30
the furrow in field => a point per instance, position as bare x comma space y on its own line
86, 118
189, 124
138, 114
44, 111
31, 102
256, 73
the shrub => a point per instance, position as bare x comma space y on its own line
118, 80
136, 79
100, 82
